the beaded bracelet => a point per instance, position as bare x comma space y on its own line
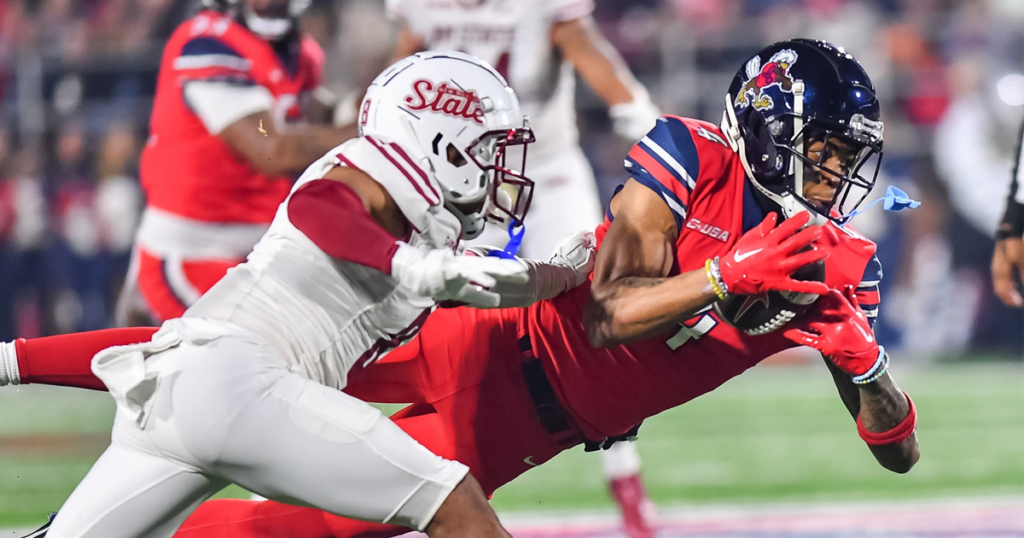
714, 277
876, 371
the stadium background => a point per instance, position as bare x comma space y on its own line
76, 84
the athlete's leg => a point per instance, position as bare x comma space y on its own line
63, 360
231, 409
231, 518
621, 465
131, 492
238, 518
462, 359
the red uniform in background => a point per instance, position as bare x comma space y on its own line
206, 205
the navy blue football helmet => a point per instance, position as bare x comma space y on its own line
795, 92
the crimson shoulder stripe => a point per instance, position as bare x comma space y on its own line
344, 160
401, 169
412, 164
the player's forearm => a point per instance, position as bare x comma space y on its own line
614, 84
597, 62
301, 145
407, 44
281, 152
881, 406
633, 308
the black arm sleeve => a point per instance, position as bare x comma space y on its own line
1012, 224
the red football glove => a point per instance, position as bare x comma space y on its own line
840, 331
764, 257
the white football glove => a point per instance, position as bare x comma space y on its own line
569, 266
576, 251
633, 120
443, 276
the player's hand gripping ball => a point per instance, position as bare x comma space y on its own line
770, 276
769, 311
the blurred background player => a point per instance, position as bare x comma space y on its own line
1008, 257
539, 45
226, 142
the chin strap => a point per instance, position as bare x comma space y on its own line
795, 164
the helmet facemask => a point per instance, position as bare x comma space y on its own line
511, 191
803, 116
859, 163
508, 197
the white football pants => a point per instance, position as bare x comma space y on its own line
565, 201
228, 410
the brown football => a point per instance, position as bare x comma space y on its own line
770, 311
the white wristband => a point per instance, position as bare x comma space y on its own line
633, 120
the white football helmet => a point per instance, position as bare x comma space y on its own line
457, 116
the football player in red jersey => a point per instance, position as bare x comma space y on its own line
506, 390
227, 139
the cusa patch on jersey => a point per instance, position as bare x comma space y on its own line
770, 311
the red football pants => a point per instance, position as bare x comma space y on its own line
171, 285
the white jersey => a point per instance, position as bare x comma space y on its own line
322, 314
514, 36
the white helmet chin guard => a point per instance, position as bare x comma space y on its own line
456, 115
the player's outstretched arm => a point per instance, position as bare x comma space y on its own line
284, 151
569, 266
407, 43
886, 417
348, 199
631, 298
599, 64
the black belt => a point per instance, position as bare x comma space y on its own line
550, 411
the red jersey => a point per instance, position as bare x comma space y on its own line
186, 170
688, 163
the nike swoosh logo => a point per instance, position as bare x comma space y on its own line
740, 257
868, 337
528, 460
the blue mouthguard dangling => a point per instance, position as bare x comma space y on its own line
894, 200
515, 241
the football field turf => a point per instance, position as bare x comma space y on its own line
774, 434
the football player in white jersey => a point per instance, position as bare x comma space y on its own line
537, 45
245, 387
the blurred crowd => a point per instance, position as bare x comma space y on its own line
77, 77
